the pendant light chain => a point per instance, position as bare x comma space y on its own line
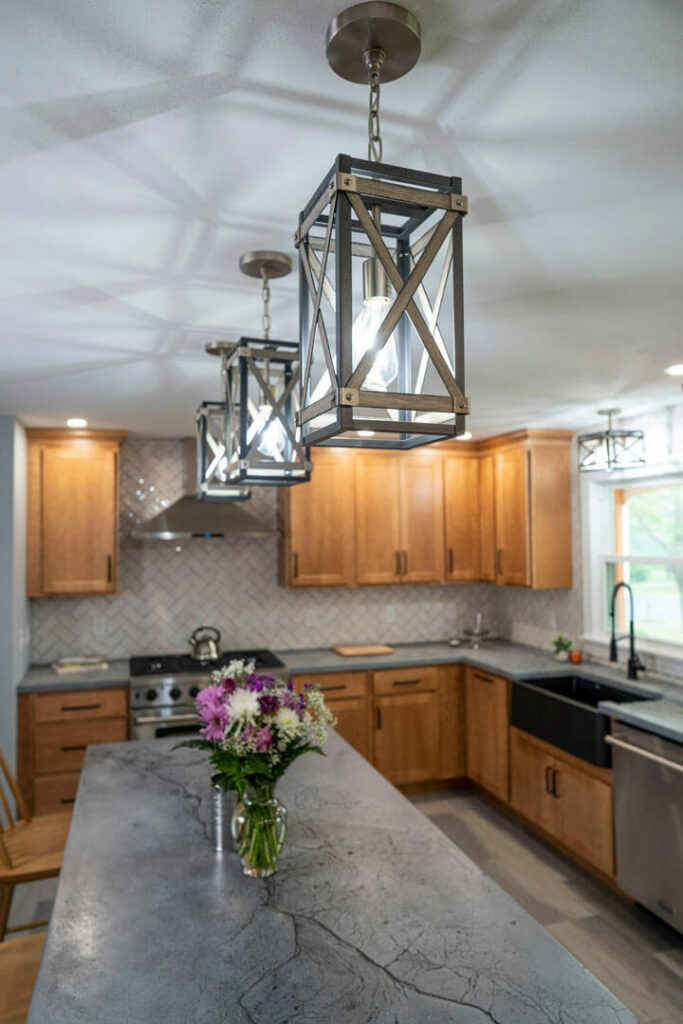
265, 319
374, 59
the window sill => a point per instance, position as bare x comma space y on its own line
659, 656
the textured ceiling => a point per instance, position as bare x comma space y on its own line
145, 145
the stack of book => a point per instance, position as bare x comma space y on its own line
81, 663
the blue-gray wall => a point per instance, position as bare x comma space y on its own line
14, 631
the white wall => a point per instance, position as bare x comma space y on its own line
14, 631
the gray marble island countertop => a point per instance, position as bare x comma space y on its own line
374, 915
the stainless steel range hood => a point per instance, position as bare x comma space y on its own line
191, 516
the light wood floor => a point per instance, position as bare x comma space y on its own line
629, 950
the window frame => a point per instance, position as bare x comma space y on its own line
597, 526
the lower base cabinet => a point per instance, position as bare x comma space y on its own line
488, 716
407, 737
346, 695
55, 729
569, 800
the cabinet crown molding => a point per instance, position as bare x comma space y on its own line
67, 434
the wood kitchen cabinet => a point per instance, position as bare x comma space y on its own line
406, 732
317, 542
452, 724
526, 491
72, 503
399, 517
487, 714
54, 730
569, 799
461, 493
487, 518
346, 695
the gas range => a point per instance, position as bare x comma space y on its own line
162, 688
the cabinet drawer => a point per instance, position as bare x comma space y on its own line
73, 705
55, 792
336, 685
60, 746
404, 680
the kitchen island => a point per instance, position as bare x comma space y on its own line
374, 915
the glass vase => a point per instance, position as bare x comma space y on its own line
222, 804
259, 824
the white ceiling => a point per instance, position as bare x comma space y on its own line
145, 145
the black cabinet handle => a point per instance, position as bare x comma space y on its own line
109, 569
296, 564
80, 707
379, 718
548, 779
484, 679
405, 682
451, 560
327, 689
71, 801
397, 556
555, 791
405, 563
79, 746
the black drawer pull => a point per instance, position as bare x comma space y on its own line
342, 686
556, 775
484, 679
71, 801
379, 718
78, 746
80, 707
548, 778
406, 682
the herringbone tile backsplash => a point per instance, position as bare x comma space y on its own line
232, 584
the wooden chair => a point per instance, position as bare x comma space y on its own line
19, 962
30, 848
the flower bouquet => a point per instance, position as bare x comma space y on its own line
254, 727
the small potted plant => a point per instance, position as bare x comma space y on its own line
561, 646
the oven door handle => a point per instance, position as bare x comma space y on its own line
617, 741
166, 720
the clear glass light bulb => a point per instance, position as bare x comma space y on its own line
272, 443
384, 370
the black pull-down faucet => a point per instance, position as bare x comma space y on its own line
634, 663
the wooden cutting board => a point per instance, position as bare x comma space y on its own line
358, 650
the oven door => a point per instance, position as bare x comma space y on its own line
160, 724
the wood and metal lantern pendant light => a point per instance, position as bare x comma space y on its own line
381, 331
611, 449
261, 391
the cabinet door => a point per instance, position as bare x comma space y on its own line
584, 812
378, 543
461, 514
319, 524
406, 737
512, 518
452, 750
79, 512
531, 780
487, 731
421, 505
487, 518
353, 723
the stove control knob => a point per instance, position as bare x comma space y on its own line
151, 695
194, 690
175, 693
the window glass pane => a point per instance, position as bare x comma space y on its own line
649, 521
657, 599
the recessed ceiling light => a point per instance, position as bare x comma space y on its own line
464, 437
366, 433
675, 371
76, 421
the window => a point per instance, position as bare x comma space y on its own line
647, 553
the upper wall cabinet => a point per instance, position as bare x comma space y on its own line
532, 501
73, 507
317, 531
498, 511
399, 517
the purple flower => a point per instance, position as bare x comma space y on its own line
209, 695
269, 704
215, 727
228, 686
249, 733
263, 738
255, 683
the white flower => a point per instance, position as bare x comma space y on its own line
244, 705
287, 721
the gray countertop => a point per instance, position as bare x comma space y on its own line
373, 915
663, 717
43, 678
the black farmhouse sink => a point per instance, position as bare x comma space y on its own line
563, 710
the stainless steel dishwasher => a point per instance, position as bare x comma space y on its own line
648, 811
